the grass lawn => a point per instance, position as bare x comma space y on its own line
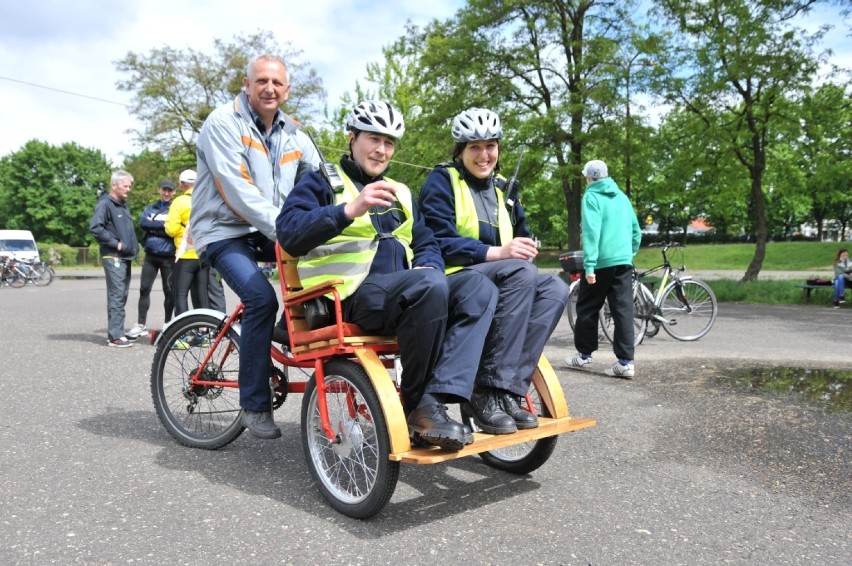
811, 258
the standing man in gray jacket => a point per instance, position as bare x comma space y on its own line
112, 226
250, 154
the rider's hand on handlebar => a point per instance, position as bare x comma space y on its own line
380, 193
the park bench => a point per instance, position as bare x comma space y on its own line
812, 284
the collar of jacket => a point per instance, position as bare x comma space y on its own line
356, 173
247, 113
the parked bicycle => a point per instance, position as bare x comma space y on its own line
11, 274
685, 307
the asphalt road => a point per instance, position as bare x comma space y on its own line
684, 467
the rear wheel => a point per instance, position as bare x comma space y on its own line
689, 308
525, 457
201, 415
42, 275
352, 470
571, 307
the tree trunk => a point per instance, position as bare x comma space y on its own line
759, 207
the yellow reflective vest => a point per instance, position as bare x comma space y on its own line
467, 221
350, 254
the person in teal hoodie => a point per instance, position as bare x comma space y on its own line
611, 237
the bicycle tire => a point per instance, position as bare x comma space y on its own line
43, 276
571, 306
520, 458
207, 417
16, 280
353, 471
689, 308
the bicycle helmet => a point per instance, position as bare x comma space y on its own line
476, 124
376, 116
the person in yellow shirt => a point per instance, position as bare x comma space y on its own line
191, 276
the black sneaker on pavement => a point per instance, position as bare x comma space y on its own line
119, 343
261, 424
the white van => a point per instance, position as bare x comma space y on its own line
19, 244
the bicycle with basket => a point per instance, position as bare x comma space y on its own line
353, 430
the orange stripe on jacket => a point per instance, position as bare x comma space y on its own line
291, 156
254, 144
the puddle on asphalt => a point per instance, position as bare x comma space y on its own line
826, 386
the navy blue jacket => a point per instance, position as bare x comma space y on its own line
309, 218
438, 204
111, 223
152, 220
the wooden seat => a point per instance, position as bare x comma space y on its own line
335, 338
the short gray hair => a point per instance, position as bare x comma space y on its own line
252, 65
119, 175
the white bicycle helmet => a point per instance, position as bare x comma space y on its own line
376, 116
476, 124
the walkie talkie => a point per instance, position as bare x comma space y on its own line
327, 169
512, 184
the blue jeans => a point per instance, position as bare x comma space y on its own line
840, 286
236, 261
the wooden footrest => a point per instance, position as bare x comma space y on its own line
483, 442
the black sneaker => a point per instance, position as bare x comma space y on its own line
260, 424
432, 424
119, 343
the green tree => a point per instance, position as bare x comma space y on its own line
52, 190
546, 66
739, 60
176, 89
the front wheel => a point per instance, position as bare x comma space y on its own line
525, 457
352, 470
689, 308
42, 275
203, 412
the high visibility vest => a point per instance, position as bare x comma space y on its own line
350, 254
467, 221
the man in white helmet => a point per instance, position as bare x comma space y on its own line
611, 237
396, 285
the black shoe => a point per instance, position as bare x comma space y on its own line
261, 424
280, 335
523, 419
484, 408
432, 424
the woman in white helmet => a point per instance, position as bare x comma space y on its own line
465, 206
368, 232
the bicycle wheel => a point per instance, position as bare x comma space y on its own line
571, 307
42, 275
689, 308
16, 280
352, 470
199, 416
525, 457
